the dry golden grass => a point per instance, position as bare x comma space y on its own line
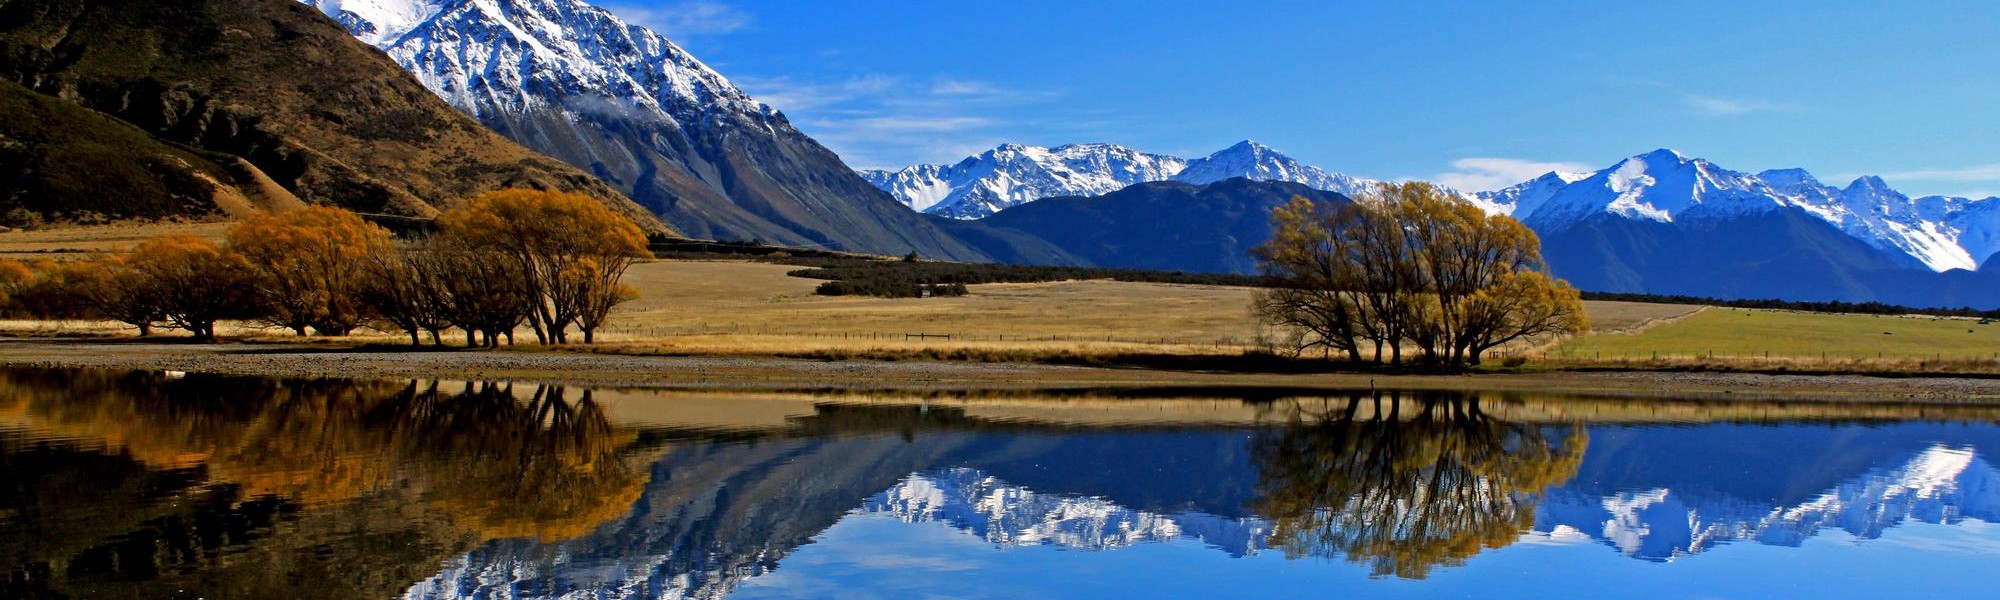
59, 242
740, 308
738, 303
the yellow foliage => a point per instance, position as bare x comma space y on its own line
311, 265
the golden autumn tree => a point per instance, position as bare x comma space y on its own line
406, 292
16, 279
484, 292
1317, 292
105, 287
192, 281
310, 266
562, 244
1408, 263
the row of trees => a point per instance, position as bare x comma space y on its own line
549, 260
1408, 265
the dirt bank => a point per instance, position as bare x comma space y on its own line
293, 360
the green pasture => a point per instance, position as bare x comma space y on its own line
1745, 333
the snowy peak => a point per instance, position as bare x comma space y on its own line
512, 57
562, 54
1015, 174
1008, 515
1936, 233
1258, 162
1939, 485
1523, 199
1657, 186
379, 22
1793, 181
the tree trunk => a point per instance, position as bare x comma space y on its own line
414, 339
538, 320
587, 337
145, 329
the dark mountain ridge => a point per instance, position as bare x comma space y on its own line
1165, 225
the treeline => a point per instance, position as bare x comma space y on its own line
911, 277
1828, 306
1406, 265
550, 260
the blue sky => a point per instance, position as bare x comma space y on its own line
1475, 94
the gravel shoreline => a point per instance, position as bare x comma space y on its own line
699, 372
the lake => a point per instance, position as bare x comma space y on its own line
168, 485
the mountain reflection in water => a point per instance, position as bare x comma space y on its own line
141, 485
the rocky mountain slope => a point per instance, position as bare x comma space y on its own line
575, 82
264, 100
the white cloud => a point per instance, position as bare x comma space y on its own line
959, 87
1484, 174
899, 124
1726, 107
1989, 172
883, 121
687, 19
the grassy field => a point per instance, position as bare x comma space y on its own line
734, 307
1742, 333
707, 306
58, 243
726, 307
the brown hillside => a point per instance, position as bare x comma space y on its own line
272, 82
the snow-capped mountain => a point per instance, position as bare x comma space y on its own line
1012, 175
495, 58
1009, 515
1258, 162
1939, 485
1522, 199
1664, 186
1885, 218
1661, 186
575, 82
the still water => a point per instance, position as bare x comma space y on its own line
144, 485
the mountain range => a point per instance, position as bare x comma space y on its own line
575, 82
1935, 232
1012, 175
126, 109
1658, 222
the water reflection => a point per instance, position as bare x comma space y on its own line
142, 485
1407, 483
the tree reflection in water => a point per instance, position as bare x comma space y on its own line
1406, 482
372, 485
